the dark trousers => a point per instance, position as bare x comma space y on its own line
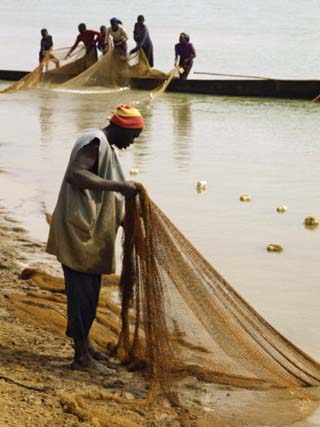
82, 291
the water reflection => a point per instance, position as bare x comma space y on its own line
143, 146
46, 112
91, 111
182, 115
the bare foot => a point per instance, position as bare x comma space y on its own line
98, 355
91, 365
102, 357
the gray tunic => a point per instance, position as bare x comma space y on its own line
85, 222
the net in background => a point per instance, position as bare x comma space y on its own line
81, 70
54, 68
115, 69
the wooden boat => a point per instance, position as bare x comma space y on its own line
266, 88
54, 76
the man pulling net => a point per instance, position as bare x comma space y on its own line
85, 222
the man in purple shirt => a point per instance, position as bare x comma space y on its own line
184, 50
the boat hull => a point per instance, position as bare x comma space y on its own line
268, 88
290, 89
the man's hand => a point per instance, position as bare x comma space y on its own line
128, 189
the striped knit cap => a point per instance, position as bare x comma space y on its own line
127, 117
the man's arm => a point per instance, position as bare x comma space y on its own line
135, 33
124, 34
124, 37
50, 42
176, 54
96, 33
144, 36
193, 52
73, 47
107, 39
80, 174
42, 45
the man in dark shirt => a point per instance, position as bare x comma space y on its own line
142, 38
46, 45
88, 37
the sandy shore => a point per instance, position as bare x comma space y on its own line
37, 387
36, 383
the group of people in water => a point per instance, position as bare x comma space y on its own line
116, 37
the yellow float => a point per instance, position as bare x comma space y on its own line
282, 209
245, 198
201, 186
311, 222
134, 171
274, 248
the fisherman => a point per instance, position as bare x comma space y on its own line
184, 55
101, 41
118, 35
84, 224
87, 37
46, 45
142, 38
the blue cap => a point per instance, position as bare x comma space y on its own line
115, 21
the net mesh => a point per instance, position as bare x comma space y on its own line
53, 65
83, 70
115, 69
182, 317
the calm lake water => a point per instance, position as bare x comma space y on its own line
266, 148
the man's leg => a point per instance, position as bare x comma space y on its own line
82, 291
55, 61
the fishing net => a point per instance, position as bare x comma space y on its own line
82, 70
183, 318
55, 68
115, 69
